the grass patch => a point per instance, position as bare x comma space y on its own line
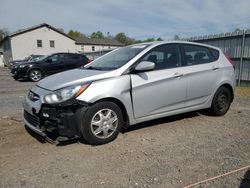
242, 91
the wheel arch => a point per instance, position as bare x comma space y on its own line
120, 105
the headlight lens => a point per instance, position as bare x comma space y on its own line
22, 66
65, 94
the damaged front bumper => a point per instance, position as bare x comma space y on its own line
63, 119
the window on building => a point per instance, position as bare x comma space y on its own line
52, 43
82, 47
93, 48
39, 43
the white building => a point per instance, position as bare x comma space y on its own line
38, 40
88, 45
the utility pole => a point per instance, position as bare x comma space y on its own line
241, 55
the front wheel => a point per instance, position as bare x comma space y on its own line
35, 75
102, 123
221, 101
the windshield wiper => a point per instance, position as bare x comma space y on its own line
93, 68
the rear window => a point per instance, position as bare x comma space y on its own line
195, 55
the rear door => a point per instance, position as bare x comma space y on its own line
163, 89
202, 73
73, 61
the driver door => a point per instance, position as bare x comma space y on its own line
54, 64
163, 89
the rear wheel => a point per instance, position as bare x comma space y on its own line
102, 123
35, 75
221, 101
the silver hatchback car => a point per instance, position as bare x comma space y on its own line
130, 85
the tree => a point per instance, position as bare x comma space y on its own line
97, 35
76, 34
3, 33
238, 30
149, 40
176, 37
60, 29
122, 38
159, 39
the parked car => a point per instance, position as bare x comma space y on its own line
130, 85
47, 65
27, 59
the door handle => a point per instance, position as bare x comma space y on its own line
177, 75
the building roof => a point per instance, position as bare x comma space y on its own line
21, 31
109, 42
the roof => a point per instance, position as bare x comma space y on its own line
110, 42
19, 32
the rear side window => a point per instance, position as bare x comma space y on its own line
215, 54
195, 55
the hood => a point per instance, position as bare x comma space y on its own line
19, 62
73, 77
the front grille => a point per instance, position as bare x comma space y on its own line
33, 120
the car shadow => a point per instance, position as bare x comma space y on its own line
164, 120
23, 80
245, 182
52, 136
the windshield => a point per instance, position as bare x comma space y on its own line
116, 58
42, 58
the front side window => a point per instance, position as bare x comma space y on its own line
117, 58
165, 56
39, 43
196, 55
52, 43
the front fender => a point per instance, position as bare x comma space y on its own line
118, 87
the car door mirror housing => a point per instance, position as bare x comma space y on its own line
145, 66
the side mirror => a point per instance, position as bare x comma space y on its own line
145, 66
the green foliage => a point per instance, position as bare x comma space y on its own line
176, 37
76, 34
3, 33
122, 38
97, 35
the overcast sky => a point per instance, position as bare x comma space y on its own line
137, 18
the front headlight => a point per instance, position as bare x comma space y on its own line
22, 66
65, 94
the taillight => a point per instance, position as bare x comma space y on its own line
230, 61
88, 61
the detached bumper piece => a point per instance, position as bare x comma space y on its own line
62, 123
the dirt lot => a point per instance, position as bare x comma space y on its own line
170, 152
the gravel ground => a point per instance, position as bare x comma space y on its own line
170, 152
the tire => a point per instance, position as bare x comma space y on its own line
35, 75
221, 101
15, 77
101, 123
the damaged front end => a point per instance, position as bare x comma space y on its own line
63, 120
